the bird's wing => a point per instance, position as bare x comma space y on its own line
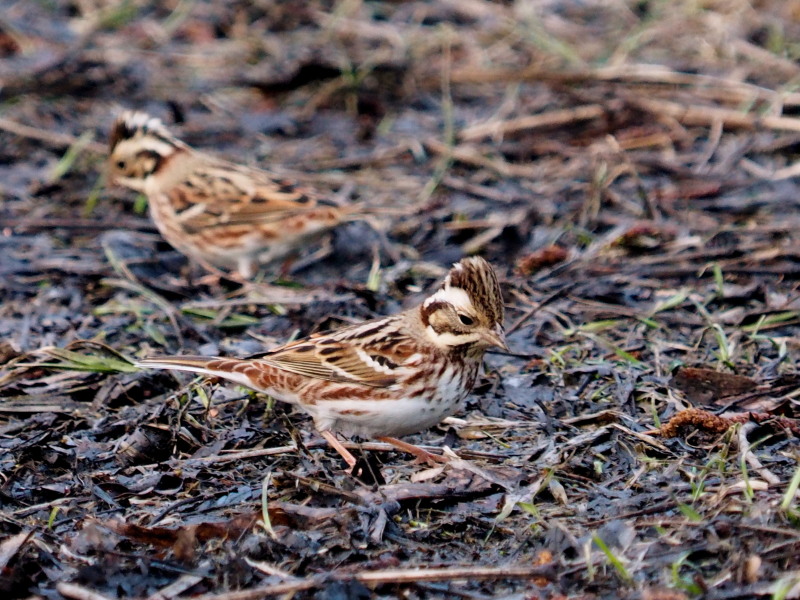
346, 356
217, 194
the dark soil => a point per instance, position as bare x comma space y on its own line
630, 170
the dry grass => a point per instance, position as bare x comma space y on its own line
630, 169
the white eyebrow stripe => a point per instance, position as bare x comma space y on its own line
139, 144
452, 295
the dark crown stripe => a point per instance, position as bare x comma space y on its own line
121, 131
130, 125
478, 279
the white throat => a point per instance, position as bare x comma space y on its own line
448, 340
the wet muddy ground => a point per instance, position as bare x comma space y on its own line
630, 170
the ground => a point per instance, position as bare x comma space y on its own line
630, 168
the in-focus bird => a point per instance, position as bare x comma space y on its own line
217, 213
383, 378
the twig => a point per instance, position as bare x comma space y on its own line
708, 116
753, 168
53, 138
257, 593
471, 156
642, 437
479, 191
177, 587
11, 545
394, 576
469, 572
552, 118
368, 446
245, 454
728, 90
536, 307
750, 458
73, 590
330, 490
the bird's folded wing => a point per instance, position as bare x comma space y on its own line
342, 362
216, 196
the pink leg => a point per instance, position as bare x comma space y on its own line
337, 445
422, 456
214, 275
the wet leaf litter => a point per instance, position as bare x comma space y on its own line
636, 197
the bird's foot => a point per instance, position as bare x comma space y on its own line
421, 456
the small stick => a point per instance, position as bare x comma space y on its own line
73, 590
708, 116
396, 576
177, 587
553, 118
536, 307
751, 459
53, 138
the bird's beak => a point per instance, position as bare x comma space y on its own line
496, 337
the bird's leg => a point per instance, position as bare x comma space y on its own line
423, 456
215, 276
337, 445
292, 267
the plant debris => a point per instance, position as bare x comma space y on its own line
629, 168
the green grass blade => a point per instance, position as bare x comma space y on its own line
612, 558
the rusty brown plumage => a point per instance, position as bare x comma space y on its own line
220, 214
382, 378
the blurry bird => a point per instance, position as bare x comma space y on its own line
217, 213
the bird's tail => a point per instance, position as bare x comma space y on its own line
235, 370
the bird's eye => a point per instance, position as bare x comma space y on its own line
466, 320
120, 164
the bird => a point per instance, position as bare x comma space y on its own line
384, 378
222, 215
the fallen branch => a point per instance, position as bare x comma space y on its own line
52, 138
707, 116
395, 576
728, 90
78, 592
553, 118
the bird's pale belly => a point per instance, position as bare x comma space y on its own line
399, 416
394, 418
